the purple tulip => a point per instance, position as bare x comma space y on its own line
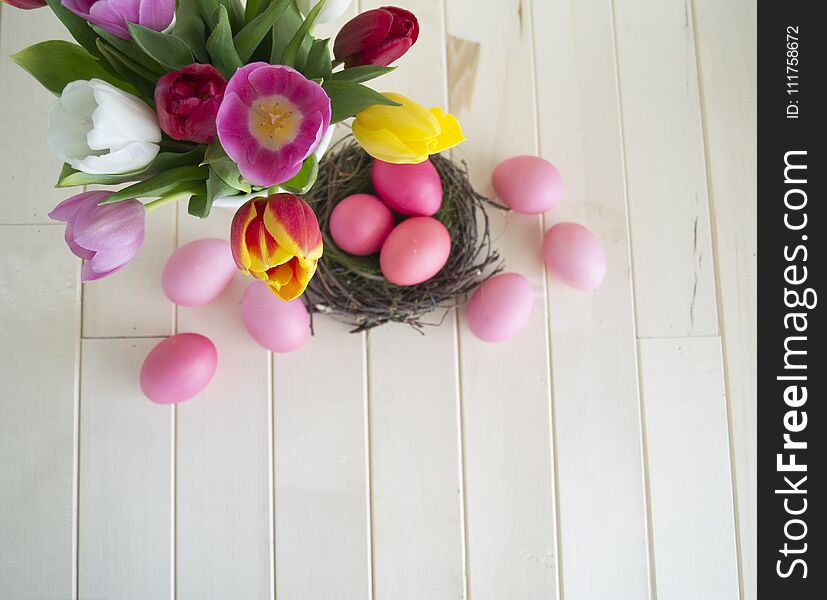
106, 237
112, 15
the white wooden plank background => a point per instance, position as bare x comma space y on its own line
564, 463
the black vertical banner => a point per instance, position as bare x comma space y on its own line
792, 357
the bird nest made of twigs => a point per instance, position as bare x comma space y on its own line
352, 288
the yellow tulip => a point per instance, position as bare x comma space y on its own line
405, 134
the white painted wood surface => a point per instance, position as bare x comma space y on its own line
693, 529
565, 463
125, 461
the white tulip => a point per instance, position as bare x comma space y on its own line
333, 9
101, 130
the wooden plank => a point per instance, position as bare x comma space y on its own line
415, 464
693, 529
39, 318
602, 507
131, 303
321, 480
509, 480
125, 485
223, 467
29, 170
665, 176
725, 38
321, 468
414, 400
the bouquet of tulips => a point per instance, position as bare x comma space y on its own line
220, 104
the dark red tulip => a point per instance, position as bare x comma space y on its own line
187, 102
25, 4
376, 37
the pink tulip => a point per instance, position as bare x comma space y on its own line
112, 15
271, 119
25, 4
376, 37
106, 237
187, 102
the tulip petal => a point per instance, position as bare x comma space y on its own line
264, 252
88, 274
67, 132
238, 235
293, 224
156, 15
280, 276
385, 145
385, 53
362, 31
133, 157
69, 207
106, 261
450, 134
110, 226
410, 122
120, 119
74, 247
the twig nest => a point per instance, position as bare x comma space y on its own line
353, 288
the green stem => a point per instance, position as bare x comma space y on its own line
174, 197
175, 146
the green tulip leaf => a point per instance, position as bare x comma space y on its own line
142, 80
254, 8
165, 161
191, 28
199, 206
78, 27
303, 180
234, 8
216, 188
283, 32
220, 44
130, 49
362, 73
166, 49
247, 40
347, 99
55, 63
318, 65
159, 185
291, 52
224, 167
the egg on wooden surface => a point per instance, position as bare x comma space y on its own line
273, 323
178, 368
360, 223
573, 254
197, 272
500, 308
415, 251
527, 184
412, 190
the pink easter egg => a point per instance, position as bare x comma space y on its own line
527, 184
198, 272
178, 368
574, 254
500, 308
360, 223
413, 190
273, 323
415, 251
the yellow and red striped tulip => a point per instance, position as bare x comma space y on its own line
278, 241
